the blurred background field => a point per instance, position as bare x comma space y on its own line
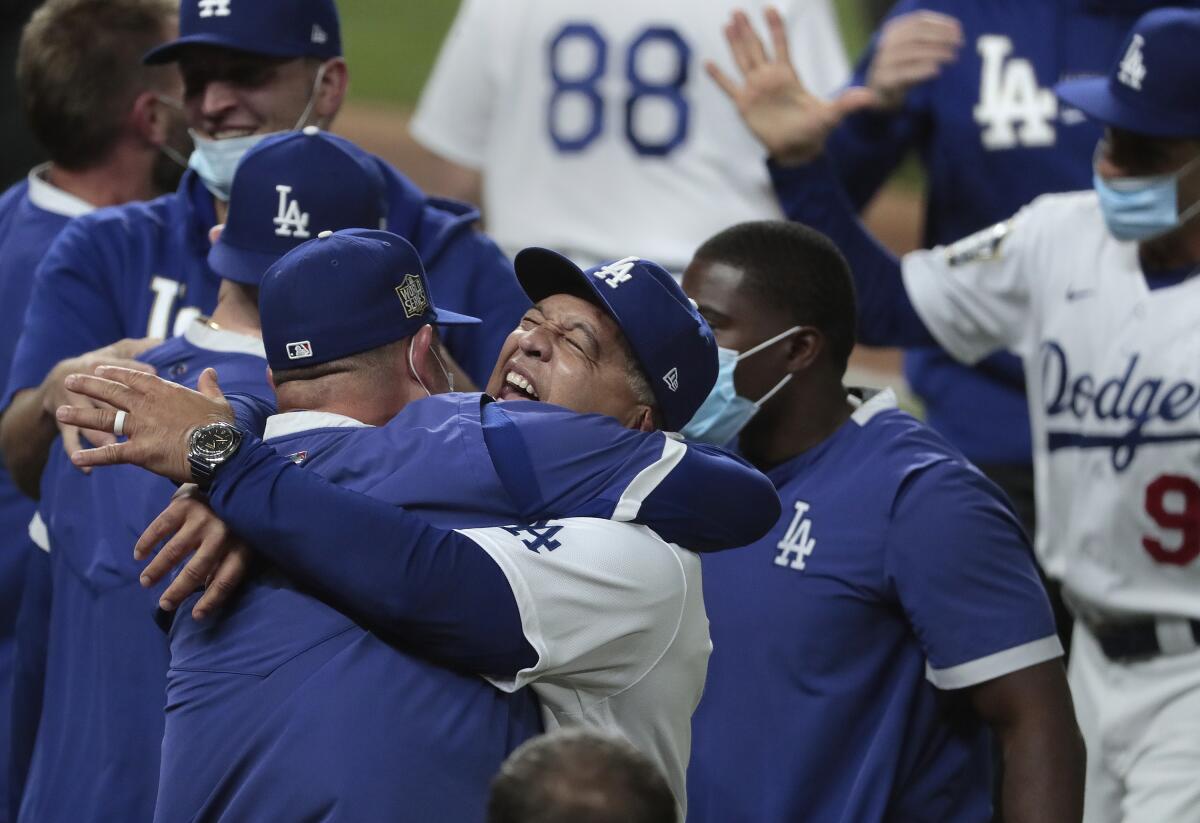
391, 44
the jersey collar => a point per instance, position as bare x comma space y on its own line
49, 197
203, 336
295, 422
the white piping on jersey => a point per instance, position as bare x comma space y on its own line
882, 401
38, 532
648, 480
983, 669
203, 336
49, 197
294, 422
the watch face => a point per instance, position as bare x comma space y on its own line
214, 441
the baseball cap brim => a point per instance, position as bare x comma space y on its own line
169, 52
452, 318
1094, 97
542, 272
240, 265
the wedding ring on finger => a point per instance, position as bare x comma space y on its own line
119, 424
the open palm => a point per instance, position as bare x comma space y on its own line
791, 122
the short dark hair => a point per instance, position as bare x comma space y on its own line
79, 70
580, 776
796, 268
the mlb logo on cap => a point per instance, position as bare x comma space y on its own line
300, 350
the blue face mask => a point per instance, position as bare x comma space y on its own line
1142, 208
724, 413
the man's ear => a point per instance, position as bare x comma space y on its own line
149, 120
424, 362
270, 378
804, 349
641, 419
332, 91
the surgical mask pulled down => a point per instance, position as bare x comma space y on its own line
216, 161
724, 413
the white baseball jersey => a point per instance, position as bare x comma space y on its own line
595, 126
616, 616
1113, 377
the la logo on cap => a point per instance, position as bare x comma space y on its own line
214, 8
617, 272
1133, 70
412, 296
290, 222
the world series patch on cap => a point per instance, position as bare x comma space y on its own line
342, 293
671, 341
277, 28
290, 188
1152, 87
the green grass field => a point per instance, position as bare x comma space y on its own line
391, 44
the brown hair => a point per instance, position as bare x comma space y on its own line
79, 70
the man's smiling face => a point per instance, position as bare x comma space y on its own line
569, 352
230, 93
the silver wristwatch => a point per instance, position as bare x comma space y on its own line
208, 447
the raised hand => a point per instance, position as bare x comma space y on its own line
912, 48
158, 418
791, 122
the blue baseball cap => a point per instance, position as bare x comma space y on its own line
343, 293
289, 188
1152, 88
276, 28
671, 341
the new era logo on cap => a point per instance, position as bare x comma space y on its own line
318, 34
412, 295
671, 378
299, 350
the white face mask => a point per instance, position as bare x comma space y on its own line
216, 161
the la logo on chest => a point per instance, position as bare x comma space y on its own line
797, 543
1012, 109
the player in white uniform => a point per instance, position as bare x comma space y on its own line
1097, 292
593, 126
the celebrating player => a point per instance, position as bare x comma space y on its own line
1095, 290
604, 620
98, 749
249, 70
917, 620
108, 142
970, 94
584, 123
